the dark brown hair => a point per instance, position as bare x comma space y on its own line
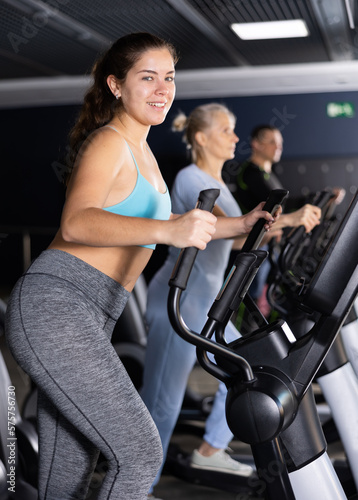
259, 131
100, 104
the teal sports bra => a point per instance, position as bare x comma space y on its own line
144, 200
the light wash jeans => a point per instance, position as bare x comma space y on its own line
169, 361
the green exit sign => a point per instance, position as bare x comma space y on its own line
340, 109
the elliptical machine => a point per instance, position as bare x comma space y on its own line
268, 373
18, 445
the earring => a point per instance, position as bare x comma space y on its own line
117, 96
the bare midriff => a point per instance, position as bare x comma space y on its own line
123, 264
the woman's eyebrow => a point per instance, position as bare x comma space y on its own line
154, 72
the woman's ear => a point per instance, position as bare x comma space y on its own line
200, 138
114, 86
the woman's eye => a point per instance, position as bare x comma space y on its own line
148, 78
170, 79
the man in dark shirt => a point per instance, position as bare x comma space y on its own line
256, 179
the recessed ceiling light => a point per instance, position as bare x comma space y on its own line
271, 29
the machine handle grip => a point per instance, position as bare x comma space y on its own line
274, 200
185, 261
320, 199
236, 284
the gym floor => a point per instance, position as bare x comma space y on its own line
187, 438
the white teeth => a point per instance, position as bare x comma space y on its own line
157, 104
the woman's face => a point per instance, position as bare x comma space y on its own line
149, 89
221, 139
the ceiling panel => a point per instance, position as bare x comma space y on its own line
62, 38
222, 13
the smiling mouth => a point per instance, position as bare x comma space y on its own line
157, 104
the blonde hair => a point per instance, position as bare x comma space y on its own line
199, 120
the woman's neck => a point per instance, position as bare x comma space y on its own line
132, 131
212, 168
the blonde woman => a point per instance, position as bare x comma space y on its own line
209, 132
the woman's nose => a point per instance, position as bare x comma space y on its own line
162, 88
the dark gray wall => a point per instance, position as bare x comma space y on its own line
33, 143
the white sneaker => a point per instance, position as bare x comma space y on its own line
222, 462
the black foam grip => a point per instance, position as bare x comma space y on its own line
185, 261
319, 200
233, 287
274, 200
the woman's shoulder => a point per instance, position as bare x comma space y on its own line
107, 135
104, 148
191, 171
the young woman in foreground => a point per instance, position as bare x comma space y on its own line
62, 311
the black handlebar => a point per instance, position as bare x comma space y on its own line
320, 199
185, 262
243, 272
274, 200
298, 234
236, 285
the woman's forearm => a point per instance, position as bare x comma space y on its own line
229, 227
97, 227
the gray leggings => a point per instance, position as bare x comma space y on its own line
59, 323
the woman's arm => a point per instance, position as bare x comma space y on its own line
236, 227
101, 173
308, 216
